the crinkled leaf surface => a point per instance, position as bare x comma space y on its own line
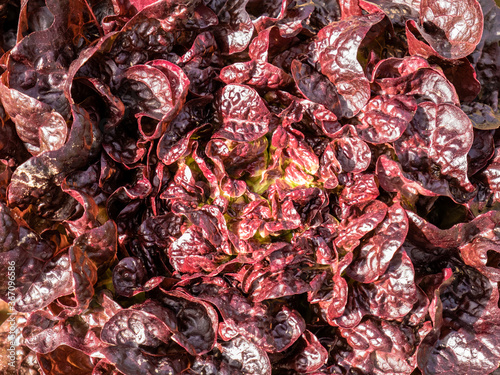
424, 83
192, 252
250, 187
273, 332
243, 114
437, 140
43, 173
243, 356
385, 118
343, 69
315, 86
37, 124
134, 328
236, 27
255, 73
196, 321
452, 29
376, 253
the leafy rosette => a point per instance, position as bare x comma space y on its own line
278, 187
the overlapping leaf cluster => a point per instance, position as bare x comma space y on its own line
251, 186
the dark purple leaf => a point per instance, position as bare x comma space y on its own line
492, 176
481, 151
174, 143
196, 321
482, 116
462, 75
129, 276
65, 360
192, 252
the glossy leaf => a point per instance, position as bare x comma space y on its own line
450, 130
385, 118
377, 252
343, 69
38, 126
461, 23
245, 357
133, 328
243, 114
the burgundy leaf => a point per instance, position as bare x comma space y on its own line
44, 334
343, 69
99, 244
316, 87
134, 360
254, 73
392, 296
312, 356
376, 254
250, 187
392, 178
424, 83
42, 174
353, 229
449, 131
246, 358
243, 114
351, 152
84, 276
192, 252
385, 118
133, 328
453, 30
37, 124
235, 26
253, 321
54, 280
